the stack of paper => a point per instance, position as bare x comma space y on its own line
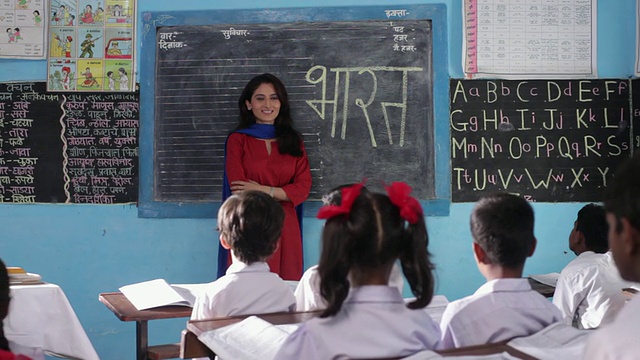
18, 276
550, 279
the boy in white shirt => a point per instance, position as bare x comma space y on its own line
505, 306
588, 292
619, 340
250, 224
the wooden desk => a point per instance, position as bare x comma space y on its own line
190, 346
125, 311
486, 349
544, 289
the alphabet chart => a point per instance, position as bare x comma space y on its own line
530, 38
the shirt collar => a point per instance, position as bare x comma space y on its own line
374, 294
241, 267
504, 285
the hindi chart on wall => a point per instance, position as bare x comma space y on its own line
24, 30
529, 39
79, 148
91, 45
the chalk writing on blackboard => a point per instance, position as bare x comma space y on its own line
547, 140
360, 93
71, 148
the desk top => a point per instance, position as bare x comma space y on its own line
200, 326
125, 311
544, 289
42, 320
486, 349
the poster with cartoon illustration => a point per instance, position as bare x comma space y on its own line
98, 36
23, 34
62, 75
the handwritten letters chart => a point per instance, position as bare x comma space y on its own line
530, 37
546, 140
67, 148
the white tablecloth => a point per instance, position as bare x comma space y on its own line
42, 320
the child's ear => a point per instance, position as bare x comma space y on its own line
533, 247
479, 253
224, 243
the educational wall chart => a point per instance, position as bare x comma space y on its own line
79, 148
23, 32
91, 45
529, 39
546, 140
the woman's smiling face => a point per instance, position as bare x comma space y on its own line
264, 104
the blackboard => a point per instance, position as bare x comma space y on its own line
547, 140
361, 87
67, 147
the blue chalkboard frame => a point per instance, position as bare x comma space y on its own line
149, 208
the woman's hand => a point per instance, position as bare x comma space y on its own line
239, 186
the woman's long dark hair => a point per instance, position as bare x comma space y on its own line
289, 140
373, 235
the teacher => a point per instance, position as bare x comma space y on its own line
265, 153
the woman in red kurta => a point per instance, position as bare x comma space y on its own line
266, 154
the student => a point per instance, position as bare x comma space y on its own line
588, 290
250, 224
505, 306
619, 340
5, 352
364, 317
308, 290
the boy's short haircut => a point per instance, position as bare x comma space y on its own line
502, 224
592, 223
623, 191
251, 223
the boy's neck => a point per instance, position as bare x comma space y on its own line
492, 272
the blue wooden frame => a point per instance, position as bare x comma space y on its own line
149, 208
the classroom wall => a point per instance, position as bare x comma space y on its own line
90, 249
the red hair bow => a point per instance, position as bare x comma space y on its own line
349, 195
410, 208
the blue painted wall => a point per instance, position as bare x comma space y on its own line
92, 249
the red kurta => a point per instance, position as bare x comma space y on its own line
248, 159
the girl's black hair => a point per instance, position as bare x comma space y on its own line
371, 236
289, 140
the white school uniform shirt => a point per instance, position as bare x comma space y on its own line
373, 322
500, 309
619, 339
589, 290
308, 289
244, 289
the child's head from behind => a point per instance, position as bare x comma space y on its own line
366, 237
250, 224
502, 226
590, 230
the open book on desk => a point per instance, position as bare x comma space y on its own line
250, 339
550, 279
556, 341
154, 293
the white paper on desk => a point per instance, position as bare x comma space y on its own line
557, 341
250, 339
436, 307
550, 279
153, 293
